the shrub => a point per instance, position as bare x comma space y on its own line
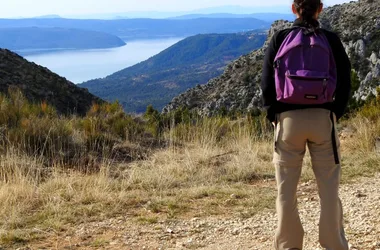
37, 130
371, 110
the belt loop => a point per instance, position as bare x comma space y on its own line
333, 138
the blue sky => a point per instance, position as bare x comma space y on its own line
30, 8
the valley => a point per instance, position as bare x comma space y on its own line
188, 63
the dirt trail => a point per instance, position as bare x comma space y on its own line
361, 201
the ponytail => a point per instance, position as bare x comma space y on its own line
307, 9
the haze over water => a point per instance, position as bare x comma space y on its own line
83, 65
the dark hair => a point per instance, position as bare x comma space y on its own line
307, 9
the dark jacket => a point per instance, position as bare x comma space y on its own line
343, 90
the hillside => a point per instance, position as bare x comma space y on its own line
34, 38
40, 84
238, 87
192, 61
130, 29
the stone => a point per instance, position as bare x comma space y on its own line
360, 195
373, 58
235, 231
369, 77
360, 48
376, 71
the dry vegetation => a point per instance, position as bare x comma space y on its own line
56, 172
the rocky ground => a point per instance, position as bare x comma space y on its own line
361, 201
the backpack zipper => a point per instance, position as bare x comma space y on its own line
324, 83
324, 87
324, 79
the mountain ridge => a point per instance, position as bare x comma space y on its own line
233, 9
145, 28
268, 17
56, 38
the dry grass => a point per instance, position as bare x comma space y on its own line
206, 174
360, 155
213, 167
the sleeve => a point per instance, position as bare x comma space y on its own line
267, 81
343, 90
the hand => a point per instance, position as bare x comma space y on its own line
274, 124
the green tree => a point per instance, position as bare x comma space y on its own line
154, 121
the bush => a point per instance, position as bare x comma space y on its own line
371, 110
37, 130
14, 107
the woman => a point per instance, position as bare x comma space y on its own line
306, 86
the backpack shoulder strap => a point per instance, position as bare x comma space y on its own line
291, 40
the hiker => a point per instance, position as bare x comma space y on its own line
306, 86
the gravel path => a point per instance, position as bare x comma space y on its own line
361, 201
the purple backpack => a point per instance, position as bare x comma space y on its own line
305, 69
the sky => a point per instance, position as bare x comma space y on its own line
32, 8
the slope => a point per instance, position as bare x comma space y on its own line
39, 84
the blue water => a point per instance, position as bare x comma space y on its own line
82, 65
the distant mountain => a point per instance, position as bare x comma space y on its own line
190, 62
131, 29
48, 16
39, 84
238, 9
268, 17
55, 38
238, 88
232, 9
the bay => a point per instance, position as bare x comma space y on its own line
82, 65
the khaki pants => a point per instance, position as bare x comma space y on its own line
296, 129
